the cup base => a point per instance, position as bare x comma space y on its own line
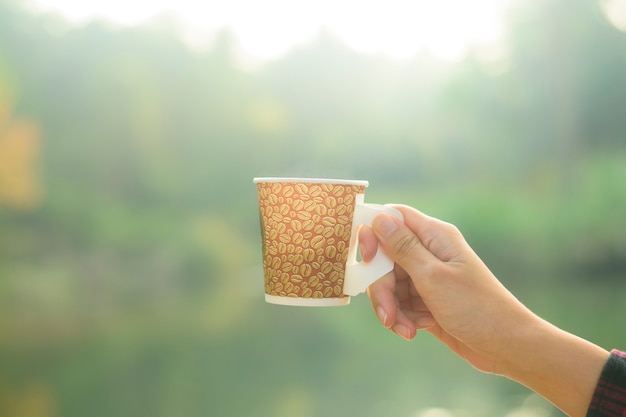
307, 302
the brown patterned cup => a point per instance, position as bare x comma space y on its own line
309, 229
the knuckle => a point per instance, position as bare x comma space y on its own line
405, 245
434, 269
452, 230
447, 229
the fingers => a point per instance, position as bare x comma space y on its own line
368, 244
382, 296
398, 306
387, 309
438, 237
441, 239
419, 246
401, 244
385, 294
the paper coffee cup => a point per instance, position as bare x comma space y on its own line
309, 230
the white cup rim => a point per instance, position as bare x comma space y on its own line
310, 180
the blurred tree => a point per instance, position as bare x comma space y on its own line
572, 64
127, 278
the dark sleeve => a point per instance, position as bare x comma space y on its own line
609, 397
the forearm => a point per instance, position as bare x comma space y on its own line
559, 366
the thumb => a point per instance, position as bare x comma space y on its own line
400, 243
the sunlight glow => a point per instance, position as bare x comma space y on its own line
616, 13
269, 29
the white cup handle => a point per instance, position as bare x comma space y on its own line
359, 275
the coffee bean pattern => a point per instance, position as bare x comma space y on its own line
306, 231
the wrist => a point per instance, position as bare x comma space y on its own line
558, 365
521, 346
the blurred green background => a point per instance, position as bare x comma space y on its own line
130, 278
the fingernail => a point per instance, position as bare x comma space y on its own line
402, 331
382, 315
384, 224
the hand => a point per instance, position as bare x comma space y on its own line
439, 283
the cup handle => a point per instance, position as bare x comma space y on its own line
359, 275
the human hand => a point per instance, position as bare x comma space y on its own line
440, 284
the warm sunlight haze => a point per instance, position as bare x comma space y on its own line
267, 30
616, 12
140, 262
